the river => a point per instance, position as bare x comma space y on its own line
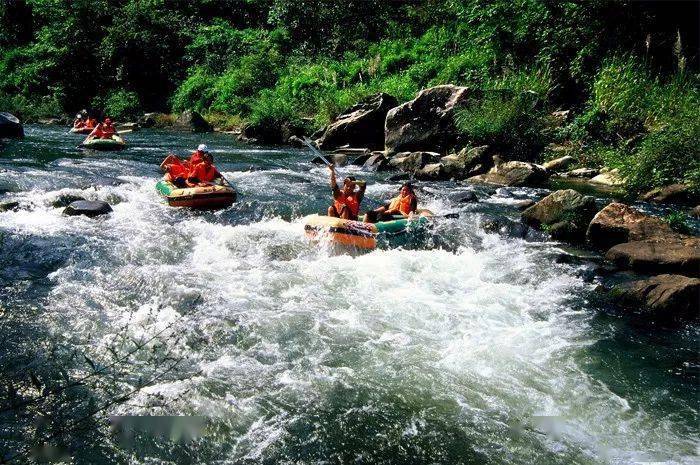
456, 346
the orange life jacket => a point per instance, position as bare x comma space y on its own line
349, 201
402, 204
195, 159
90, 123
204, 173
103, 131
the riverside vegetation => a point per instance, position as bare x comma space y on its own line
628, 71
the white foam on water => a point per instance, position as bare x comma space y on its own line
493, 332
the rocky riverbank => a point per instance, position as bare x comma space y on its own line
658, 267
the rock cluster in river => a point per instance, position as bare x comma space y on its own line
10, 126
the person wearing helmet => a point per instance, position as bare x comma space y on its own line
78, 122
104, 130
177, 171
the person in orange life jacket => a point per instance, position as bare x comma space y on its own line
346, 201
204, 173
177, 170
90, 122
104, 130
403, 204
79, 122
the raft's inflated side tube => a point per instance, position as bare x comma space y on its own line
81, 130
356, 233
115, 143
208, 197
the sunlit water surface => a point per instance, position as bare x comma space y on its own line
453, 346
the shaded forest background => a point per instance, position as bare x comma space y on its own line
628, 70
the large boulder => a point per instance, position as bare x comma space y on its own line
663, 297
431, 172
679, 254
426, 122
89, 208
586, 173
513, 173
376, 162
559, 164
192, 121
411, 162
565, 213
461, 164
10, 126
679, 194
618, 223
609, 178
361, 125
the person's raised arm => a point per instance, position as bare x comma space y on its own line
334, 183
362, 187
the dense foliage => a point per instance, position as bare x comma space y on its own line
627, 69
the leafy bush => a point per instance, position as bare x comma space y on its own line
122, 105
196, 92
678, 221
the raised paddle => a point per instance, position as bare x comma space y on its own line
316, 151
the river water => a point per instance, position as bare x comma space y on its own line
454, 346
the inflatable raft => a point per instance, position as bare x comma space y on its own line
115, 143
207, 197
357, 233
81, 130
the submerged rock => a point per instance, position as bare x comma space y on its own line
659, 255
566, 213
431, 172
10, 126
64, 200
361, 125
663, 297
618, 223
464, 197
426, 122
89, 208
7, 206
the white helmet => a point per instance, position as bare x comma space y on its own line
79, 115
202, 148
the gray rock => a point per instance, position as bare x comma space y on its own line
64, 200
361, 125
377, 162
431, 172
89, 208
505, 227
463, 163
566, 214
192, 121
7, 206
585, 173
399, 177
513, 173
296, 141
559, 164
413, 161
426, 122
10, 126
608, 178
464, 197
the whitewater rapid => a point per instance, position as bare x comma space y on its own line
472, 349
